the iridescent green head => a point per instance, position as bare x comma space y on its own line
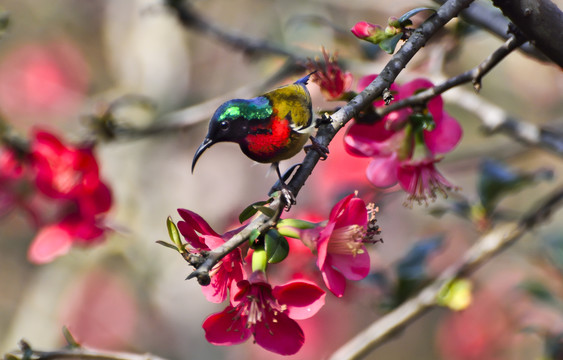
230, 122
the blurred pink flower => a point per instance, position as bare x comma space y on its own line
403, 152
363, 30
100, 310
228, 271
43, 80
267, 314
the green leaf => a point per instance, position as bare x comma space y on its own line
498, 180
252, 209
259, 260
539, 292
72, 343
411, 269
388, 45
269, 212
253, 236
296, 223
165, 244
174, 235
411, 13
422, 121
276, 246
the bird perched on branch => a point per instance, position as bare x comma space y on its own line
269, 128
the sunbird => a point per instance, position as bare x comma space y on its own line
269, 128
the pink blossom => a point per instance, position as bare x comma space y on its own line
404, 152
267, 314
363, 30
228, 271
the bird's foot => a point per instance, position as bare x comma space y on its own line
287, 196
323, 120
316, 146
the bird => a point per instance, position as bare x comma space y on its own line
269, 128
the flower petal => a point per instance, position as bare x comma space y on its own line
51, 241
355, 213
225, 329
352, 267
197, 222
281, 335
382, 171
366, 140
445, 136
303, 298
334, 281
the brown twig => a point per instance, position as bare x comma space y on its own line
485, 248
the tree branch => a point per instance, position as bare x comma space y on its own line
492, 20
486, 247
191, 19
493, 118
327, 132
78, 353
541, 21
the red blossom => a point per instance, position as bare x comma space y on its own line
401, 152
201, 237
334, 82
68, 176
267, 314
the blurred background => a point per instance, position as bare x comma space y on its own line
64, 61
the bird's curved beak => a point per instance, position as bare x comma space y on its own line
207, 142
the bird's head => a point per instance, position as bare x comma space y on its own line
231, 120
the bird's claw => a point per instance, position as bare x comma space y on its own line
323, 120
288, 197
316, 146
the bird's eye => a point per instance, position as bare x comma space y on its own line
224, 125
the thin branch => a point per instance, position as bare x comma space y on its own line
486, 247
541, 21
474, 75
494, 119
492, 20
79, 353
191, 19
327, 132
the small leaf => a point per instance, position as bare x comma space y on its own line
388, 45
253, 236
269, 212
164, 243
296, 223
259, 260
422, 121
411, 270
456, 294
72, 343
276, 246
498, 180
174, 235
251, 209
539, 292
412, 13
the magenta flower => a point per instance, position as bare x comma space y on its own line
340, 244
404, 152
228, 272
334, 82
267, 314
